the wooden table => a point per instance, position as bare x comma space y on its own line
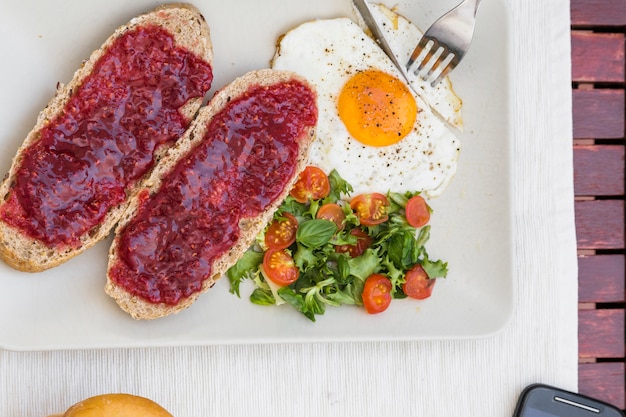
598, 73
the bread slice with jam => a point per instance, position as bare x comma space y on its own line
101, 135
212, 193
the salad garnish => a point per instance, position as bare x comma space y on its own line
324, 248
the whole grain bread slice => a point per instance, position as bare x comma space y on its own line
136, 306
190, 31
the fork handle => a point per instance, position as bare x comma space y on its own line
466, 5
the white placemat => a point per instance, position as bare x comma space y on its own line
440, 378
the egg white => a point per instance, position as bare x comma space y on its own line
329, 52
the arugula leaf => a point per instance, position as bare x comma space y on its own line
436, 269
245, 267
365, 265
290, 205
338, 186
396, 276
305, 258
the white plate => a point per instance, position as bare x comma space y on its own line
42, 43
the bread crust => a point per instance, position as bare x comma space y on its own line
190, 30
137, 307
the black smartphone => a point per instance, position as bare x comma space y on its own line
540, 400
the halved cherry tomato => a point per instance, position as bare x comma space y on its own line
376, 293
417, 212
279, 266
371, 209
282, 232
334, 213
418, 284
363, 242
312, 184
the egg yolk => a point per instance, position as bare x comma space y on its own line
377, 108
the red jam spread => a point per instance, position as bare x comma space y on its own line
240, 167
106, 136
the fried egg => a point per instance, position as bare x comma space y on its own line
372, 128
402, 36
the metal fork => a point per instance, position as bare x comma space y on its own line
447, 41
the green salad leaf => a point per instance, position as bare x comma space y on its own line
315, 232
245, 267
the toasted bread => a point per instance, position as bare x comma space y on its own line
140, 308
17, 248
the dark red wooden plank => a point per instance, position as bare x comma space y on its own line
601, 279
601, 333
598, 12
604, 381
598, 57
600, 224
598, 114
599, 170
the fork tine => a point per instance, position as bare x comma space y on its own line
442, 59
449, 67
421, 45
427, 57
